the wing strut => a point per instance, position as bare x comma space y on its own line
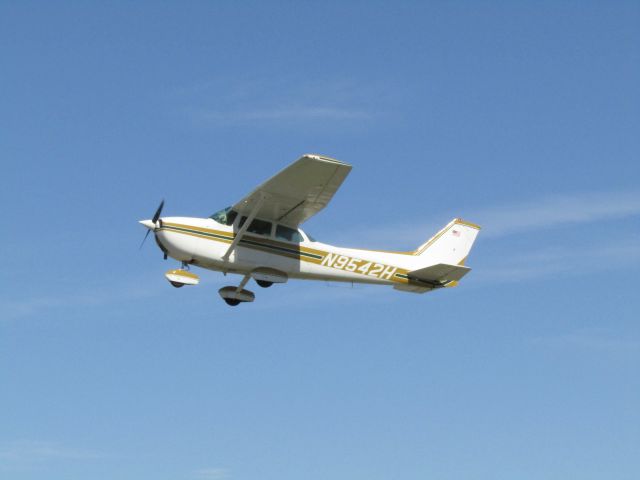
244, 227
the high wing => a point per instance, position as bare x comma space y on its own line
296, 193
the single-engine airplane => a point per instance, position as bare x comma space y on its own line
260, 237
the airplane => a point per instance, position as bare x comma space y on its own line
260, 238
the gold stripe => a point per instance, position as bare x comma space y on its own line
183, 273
460, 221
221, 240
394, 278
268, 241
291, 254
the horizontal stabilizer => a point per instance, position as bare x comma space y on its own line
440, 273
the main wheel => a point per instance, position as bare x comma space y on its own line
232, 302
177, 284
264, 283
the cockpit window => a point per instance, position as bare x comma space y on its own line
288, 234
225, 216
259, 227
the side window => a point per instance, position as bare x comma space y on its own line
288, 234
259, 227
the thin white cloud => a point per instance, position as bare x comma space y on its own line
595, 339
545, 212
289, 114
552, 262
300, 295
94, 297
211, 473
24, 453
556, 211
273, 102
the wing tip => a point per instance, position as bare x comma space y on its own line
324, 158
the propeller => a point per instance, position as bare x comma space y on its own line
154, 221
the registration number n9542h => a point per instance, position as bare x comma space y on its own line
357, 265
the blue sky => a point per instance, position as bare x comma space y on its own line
523, 117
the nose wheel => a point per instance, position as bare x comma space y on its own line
182, 276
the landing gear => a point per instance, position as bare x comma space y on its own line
264, 277
181, 277
234, 295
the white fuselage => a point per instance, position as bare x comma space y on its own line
204, 242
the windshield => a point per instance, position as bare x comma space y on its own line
225, 216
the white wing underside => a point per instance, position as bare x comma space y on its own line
298, 192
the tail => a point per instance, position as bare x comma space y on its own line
451, 245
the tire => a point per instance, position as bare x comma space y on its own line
232, 302
264, 283
177, 284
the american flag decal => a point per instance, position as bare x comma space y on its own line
456, 233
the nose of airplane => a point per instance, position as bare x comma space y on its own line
148, 223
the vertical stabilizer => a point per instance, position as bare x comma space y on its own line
451, 245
